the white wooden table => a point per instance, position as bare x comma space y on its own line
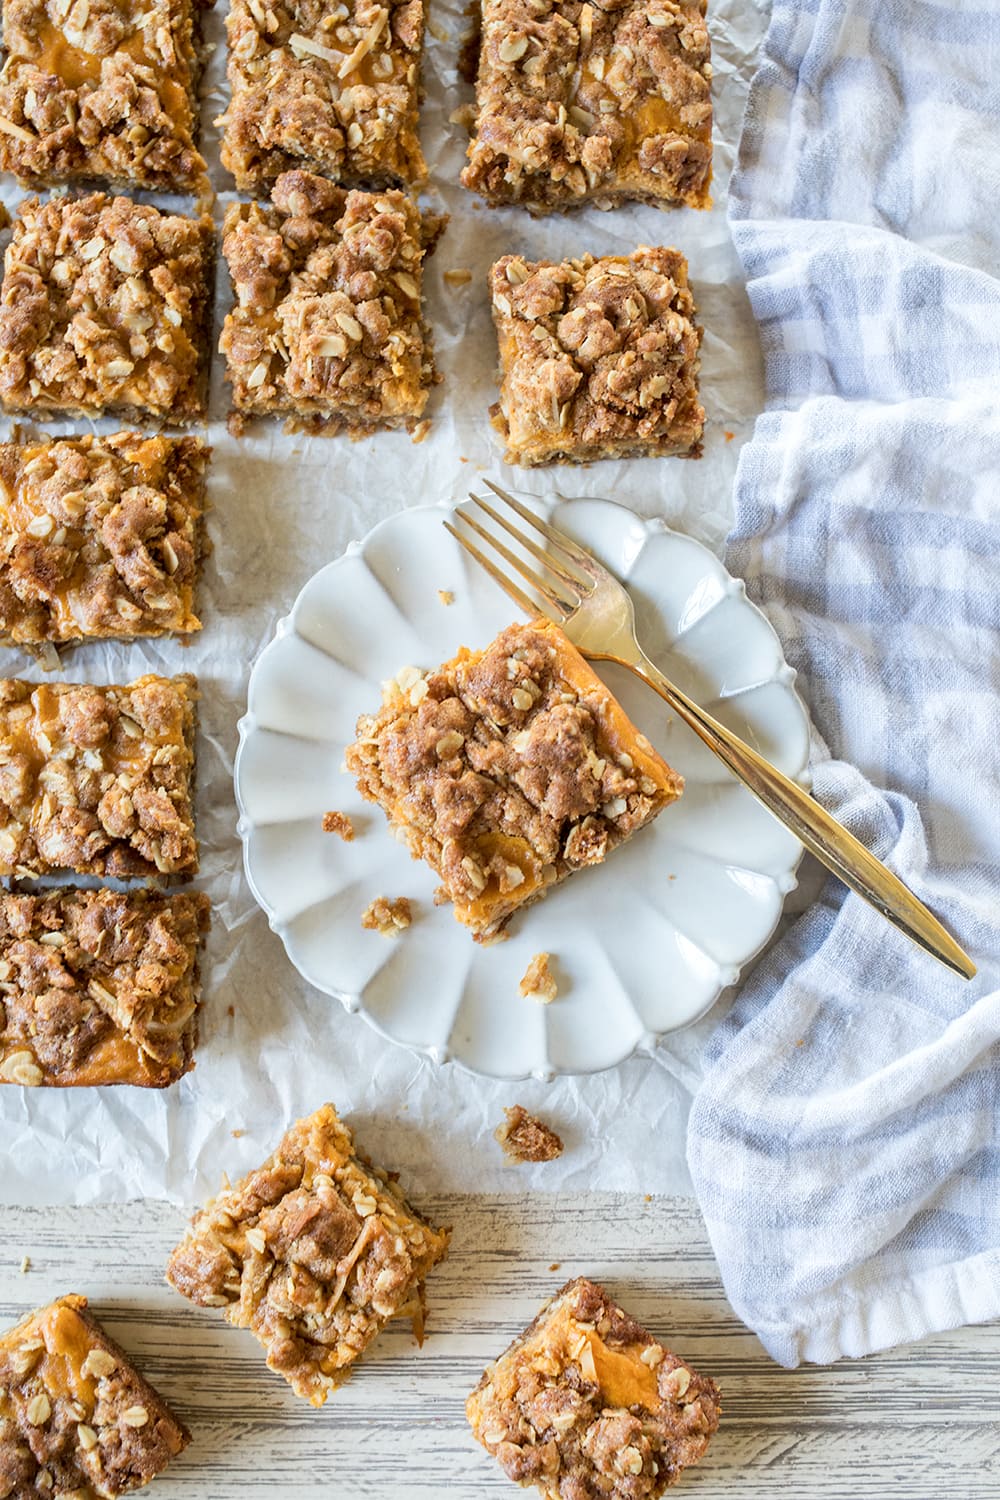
911, 1424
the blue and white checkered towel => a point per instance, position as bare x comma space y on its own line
845, 1144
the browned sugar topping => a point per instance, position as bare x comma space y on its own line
99, 987
577, 102
104, 308
100, 537
586, 1405
328, 323
508, 769
98, 89
332, 88
97, 779
525, 1138
598, 358
314, 1252
76, 1418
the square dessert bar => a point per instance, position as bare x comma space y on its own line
581, 103
105, 307
332, 88
76, 1417
586, 1403
328, 325
103, 90
314, 1253
99, 987
100, 537
598, 358
97, 779
507, 770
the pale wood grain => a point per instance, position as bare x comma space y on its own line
906, 1425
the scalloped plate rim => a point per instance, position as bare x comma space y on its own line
353, 1003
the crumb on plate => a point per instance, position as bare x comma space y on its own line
338, 822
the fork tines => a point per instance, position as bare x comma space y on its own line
567, 579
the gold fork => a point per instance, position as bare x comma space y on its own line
596, 612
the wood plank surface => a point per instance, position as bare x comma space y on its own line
910, 1424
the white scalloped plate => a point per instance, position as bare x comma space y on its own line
642, 945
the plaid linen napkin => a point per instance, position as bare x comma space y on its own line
845, 1142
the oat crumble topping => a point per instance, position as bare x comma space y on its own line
331, 88
328, 323
388, 916
598, 358
539, 982
76, 1418
339, 823
579, 103
104, 307
525, 1138
586, 1405
314, 1252
100, 537
507, 770
93, 89
99, 987
97, 779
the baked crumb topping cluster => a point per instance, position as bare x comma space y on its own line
99, 987
578, 102
328, 323
332, 88
314, 1252
97, 779
101, 89
508, 769
599, 358
99, 537
104, 308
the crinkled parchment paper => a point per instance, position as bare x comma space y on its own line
271, 1047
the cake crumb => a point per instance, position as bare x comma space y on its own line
236, 1134
25, 1264
338, 822
555, 1265
460, 276
539, 982
446, 596
525, 1138
388, 916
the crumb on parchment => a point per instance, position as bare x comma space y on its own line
525, 1138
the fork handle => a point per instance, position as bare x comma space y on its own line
821, 834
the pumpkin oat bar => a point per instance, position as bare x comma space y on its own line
102, 90
598, 358
585, 1402
100, 537
314, 1252
105, 308
507, 770
76, 1418
331, 88
582, 103
328, 325
97, 779
99, 987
